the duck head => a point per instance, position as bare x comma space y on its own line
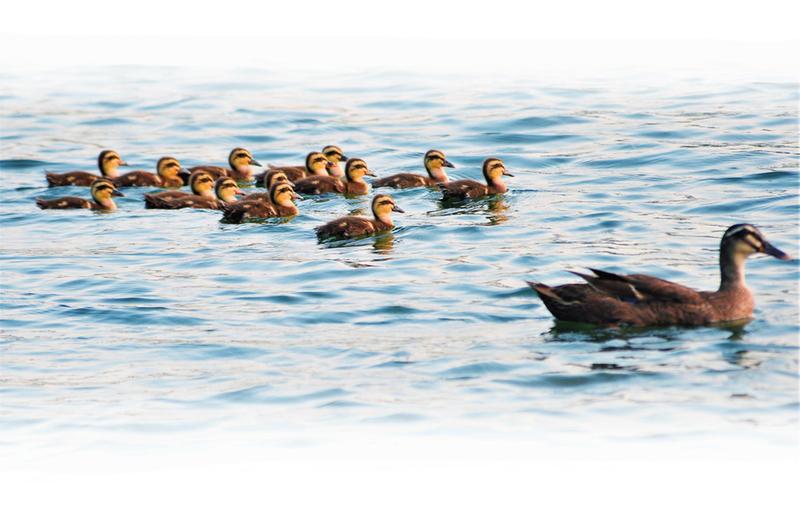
226, 189
109, 162
382, 207
103, 191
435, 163
170, 169
335, 156
283, 194
317, 163
202, 183
493, 171
738, 243
356, 169
241, 160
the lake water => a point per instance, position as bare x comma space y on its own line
151, 324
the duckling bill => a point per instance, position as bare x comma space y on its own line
611, 299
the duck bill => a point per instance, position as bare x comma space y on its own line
296, 196
344, 158
253, 162
397, 209
508, 174
370, 173
769, 249
238, 192
124, 163
448, 164
184, 173
117, 193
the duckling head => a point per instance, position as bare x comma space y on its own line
276, 177
109, 162
241, 160
435, 164
317, 163
356, 169
382, 207
738, 243
103, 191
283, 194
335, 155
169, 167
202, 183
493, 170
226, 189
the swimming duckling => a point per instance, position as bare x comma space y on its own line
281, 204
316, 164
355, 170
352, 226
641, 300
435, 163
240, 161
493, 170
335, 156
108, 161
225, 190
272, 178
169, 174
103, 191
200, 182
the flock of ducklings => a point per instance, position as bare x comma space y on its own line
215, 187
604, 299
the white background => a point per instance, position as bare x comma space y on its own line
435, 486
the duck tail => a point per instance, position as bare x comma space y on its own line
544, 292
41, 203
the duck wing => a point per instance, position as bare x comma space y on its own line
404, 180
463, 188
641, 288
247, 209
137, 178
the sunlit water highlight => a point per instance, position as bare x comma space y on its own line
140, 322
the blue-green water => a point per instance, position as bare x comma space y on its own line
140, 322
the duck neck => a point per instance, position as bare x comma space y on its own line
385, 219
731, 267
336, 171
496, 185
107, 204
438, 174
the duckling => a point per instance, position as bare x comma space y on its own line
611, 299
240, 161
281, 204
316, 164
335, 156
272, 178
493, 170
355, 170
200, 182
103, 191
435, 163
169, 174
225, 190
352, 226
108, 161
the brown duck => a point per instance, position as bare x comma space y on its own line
353, 184
201, 183
641, 300
225, 190
240, 161
353, 226
168, 174
281, 205
108, 161
316, 164
493, 170
103, 191
272, 178
435, 163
